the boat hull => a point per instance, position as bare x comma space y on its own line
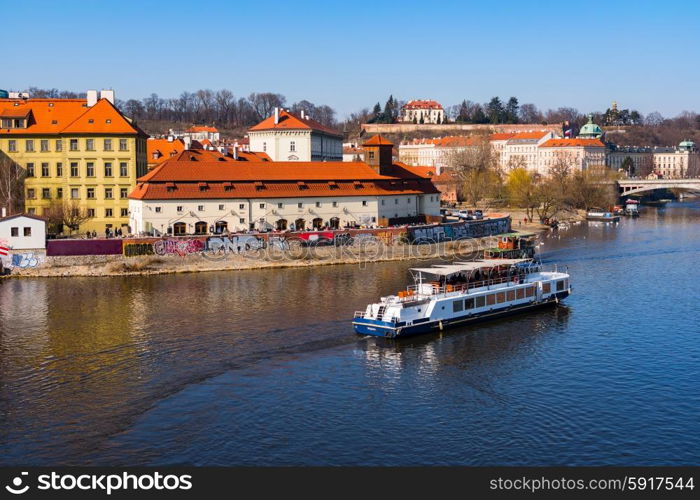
386, 329
600, 218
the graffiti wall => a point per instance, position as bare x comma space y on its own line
460, 230
83, 247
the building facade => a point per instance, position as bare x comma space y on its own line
285, 136
178, 197
202, 133
81, 152
676, 162
23, 232
575, 154
422, 111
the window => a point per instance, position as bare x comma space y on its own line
241, 221
318, 204
383, 201
530, 291
300, 205
30, 170
264, 146
396, 201
364, 203
241, 206
123, 146
124, 212
280, 205
262, 205
292, 146
560, 285
123, 169
74, 144
510, 295
59, 193
335, 204
371, 155
469, 304
74, 169
90, 144
44, 169
90, 193
108, 212
179, 209
408, 200
221, 207
29, 145
45, 193
108, 194
546, 287
123, 193
14, 232
90, 212
108, 169
457, 305
44, 145
59, 145
74, 193
490, 299
158, 210
59, 169
200, 208
27, 231
31, 194
107, 145
12, 145
90, 169
31, 211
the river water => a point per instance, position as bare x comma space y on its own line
262, 367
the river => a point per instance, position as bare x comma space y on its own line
262, 367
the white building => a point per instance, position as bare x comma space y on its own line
285, 136
677, 162
422, 111
576, 154
522, 149
23, 232
201, 133
219, 196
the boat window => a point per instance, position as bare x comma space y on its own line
546, 287
469, 304
510, 295
491, 299
479, 301
560, 285
530, 291
501, 297
457, 306
520, 293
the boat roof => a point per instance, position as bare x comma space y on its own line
459, 267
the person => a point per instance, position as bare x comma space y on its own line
106, 232
88, 235
94, 233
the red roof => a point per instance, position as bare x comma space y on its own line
378, 140
571, 143
276, 179
502, 136
421, 104
201, 128
529, 135
290, 121
63, 116
164, 148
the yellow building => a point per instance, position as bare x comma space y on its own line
75, 151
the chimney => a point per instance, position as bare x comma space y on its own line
170, 138
277, 115
107, 94
4, 212
302, 114
91, 98
235, 151
188, 141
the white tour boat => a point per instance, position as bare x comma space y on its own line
461, 293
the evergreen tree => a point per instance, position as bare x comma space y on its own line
479, 116
495, 111
511, 111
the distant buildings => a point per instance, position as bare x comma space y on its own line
286, 136
666, 162
219, 194
353, 152
574, 154
80, 151
422, 111
201, 133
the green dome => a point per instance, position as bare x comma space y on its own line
590, 130
687, 144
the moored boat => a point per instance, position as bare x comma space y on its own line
455, 294
596, 214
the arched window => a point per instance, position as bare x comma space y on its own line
299, 224
317, 223
200, 227
281, 224
179, 228
221, 227
335, 222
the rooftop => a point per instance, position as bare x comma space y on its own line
290, 121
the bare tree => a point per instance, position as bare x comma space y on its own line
264, 103
68, 213
474, 167
11, 185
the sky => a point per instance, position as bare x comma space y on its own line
350, 55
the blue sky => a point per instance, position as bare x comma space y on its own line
349, 55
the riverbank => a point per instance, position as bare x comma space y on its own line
368, 251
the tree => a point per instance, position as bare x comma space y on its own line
264, 103
628, 166
474, 168
530, 114
495, 110
654, 119
11, 185
522, 191
511, 110
66, 213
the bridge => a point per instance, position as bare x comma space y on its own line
634, 186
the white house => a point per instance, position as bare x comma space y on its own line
285, 136
23, 232
422, 111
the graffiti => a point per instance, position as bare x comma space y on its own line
431, 234
25, 260
459, 231
178, 247
136, 249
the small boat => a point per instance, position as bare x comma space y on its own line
596, 214
513, 246
457, 294
632, 208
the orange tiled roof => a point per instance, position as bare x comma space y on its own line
290, 121
201, 128
529, 135
252, 156
277, 179
378, 140
422, 104
570, 143
503, 136
165, 148
66, 116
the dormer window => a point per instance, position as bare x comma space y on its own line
91, 120
370, 155
108, 120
